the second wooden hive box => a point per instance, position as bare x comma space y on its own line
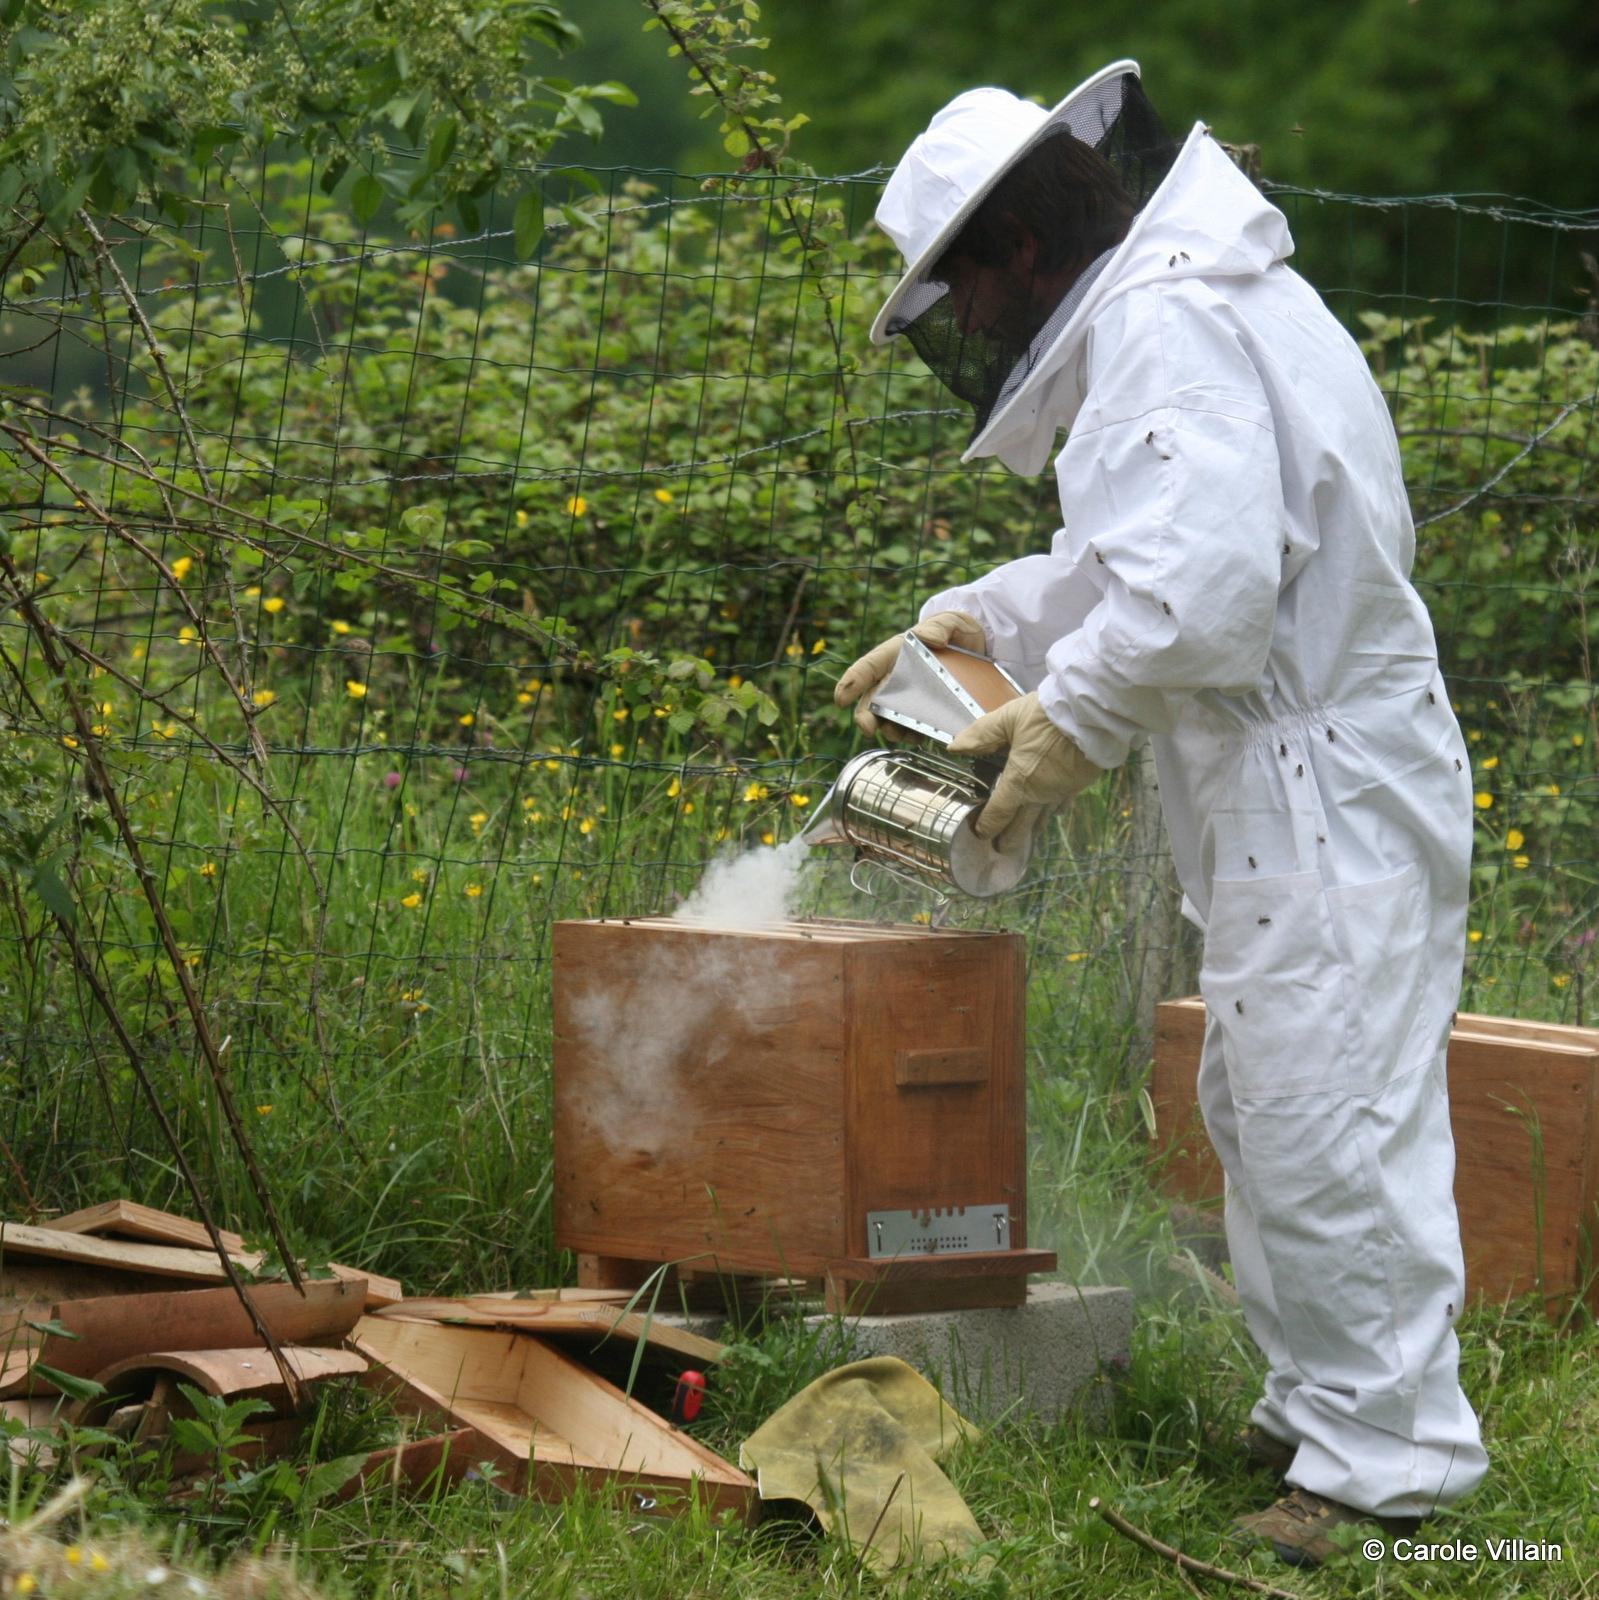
743, 1100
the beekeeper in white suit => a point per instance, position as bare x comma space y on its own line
1231, 582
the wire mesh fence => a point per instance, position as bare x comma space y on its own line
374, 602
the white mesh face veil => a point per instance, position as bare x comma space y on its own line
1005, 213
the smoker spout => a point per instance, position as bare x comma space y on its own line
826, 825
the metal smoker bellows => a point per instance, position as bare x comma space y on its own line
912, 811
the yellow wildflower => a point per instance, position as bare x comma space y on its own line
1475, 936
209, 870
1576, 739
1490, 763
273, 605
419, 875
26, 1583
73, 1554
524, 698
799, 799
263, 1111
617, 751
664, 496
1515, 839
586, 825
182, 567
262, 698
621, 714
1561, 979
1522, 862
253, 590
69, 741
473, 890
818, 647
577, 506
355, 689
688, 808
339, 625
768, 838
673, 789
98, 1563
1077, 955
1554, 788
477, 819
187, 635
412, 901
1475, 735
466, 719
1484, 801
754, 792
521, 519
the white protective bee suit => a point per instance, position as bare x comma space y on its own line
1231, 583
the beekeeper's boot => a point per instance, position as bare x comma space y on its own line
1299, 1526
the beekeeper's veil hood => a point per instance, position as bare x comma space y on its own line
1003, 212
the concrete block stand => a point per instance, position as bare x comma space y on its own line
1055, 1355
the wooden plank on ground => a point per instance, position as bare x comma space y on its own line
380, 1291
127, 1219
110, 1329
159, 1260
232, 1374
556, 1318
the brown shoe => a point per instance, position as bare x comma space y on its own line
1261, 1450
1298, 1526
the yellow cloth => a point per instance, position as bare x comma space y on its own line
859, 1446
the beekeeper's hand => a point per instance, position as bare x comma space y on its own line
940, 629
1044, 769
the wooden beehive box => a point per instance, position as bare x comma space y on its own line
1524, 1103
741, 1100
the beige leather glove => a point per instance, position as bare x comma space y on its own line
1044, 769
943, 627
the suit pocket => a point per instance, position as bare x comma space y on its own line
1273, 979
1396, 1024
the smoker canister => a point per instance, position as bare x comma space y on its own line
912, 811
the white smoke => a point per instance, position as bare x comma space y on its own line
754, 890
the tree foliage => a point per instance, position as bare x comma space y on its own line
110, 102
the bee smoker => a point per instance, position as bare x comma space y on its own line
909, 811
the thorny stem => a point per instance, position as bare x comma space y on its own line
45, 632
